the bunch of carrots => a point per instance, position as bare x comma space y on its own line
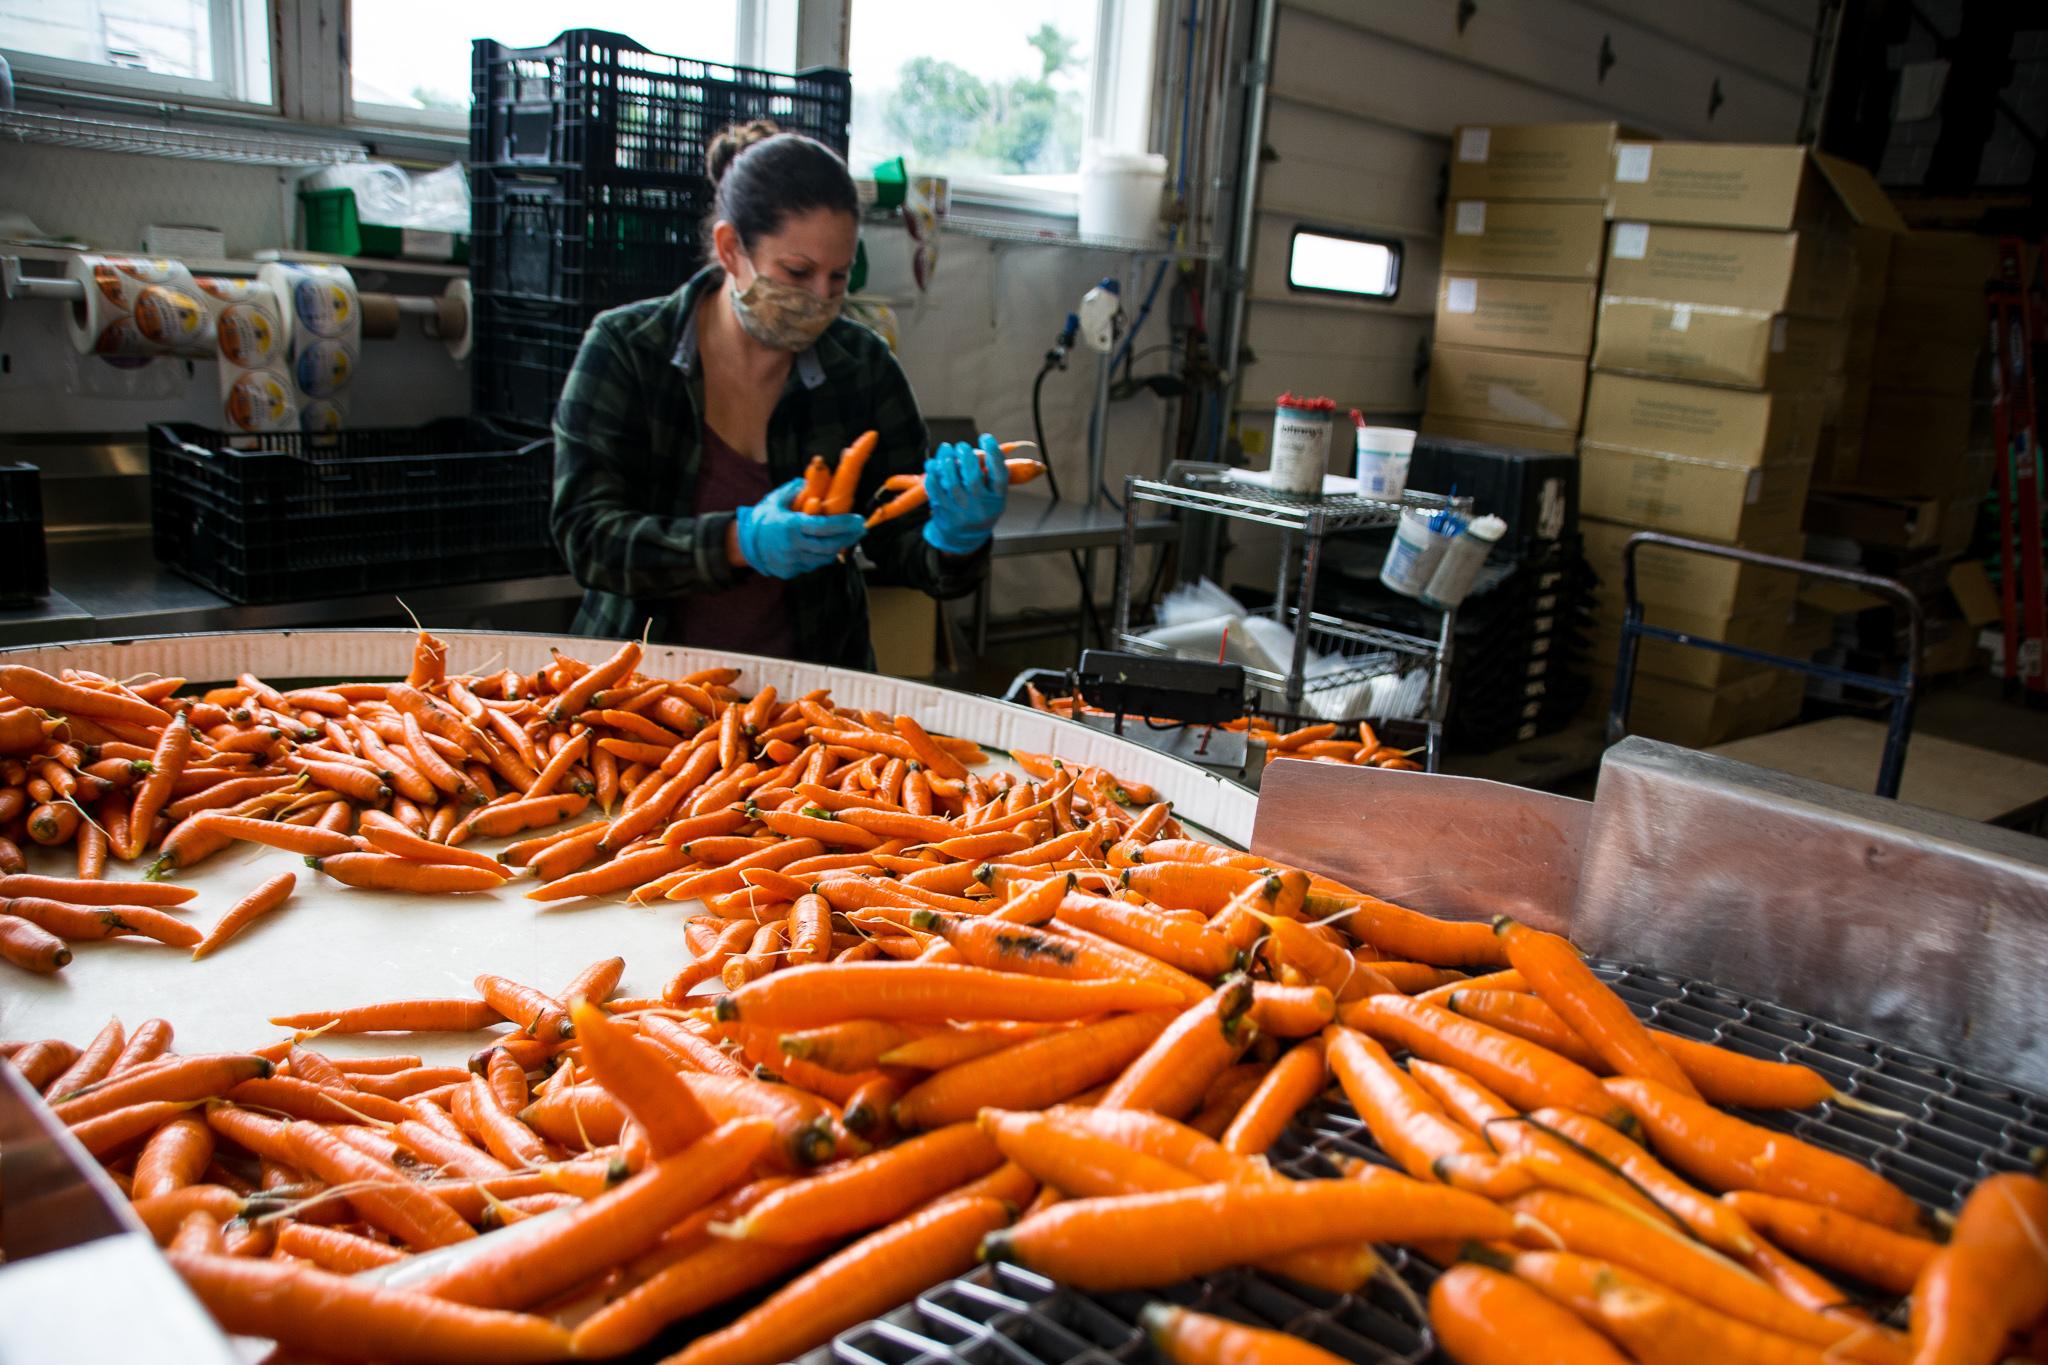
1318, 742
829, 488
934, 1016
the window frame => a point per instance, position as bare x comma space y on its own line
231, 42
1395, 253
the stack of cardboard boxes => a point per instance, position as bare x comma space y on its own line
1721, 331
1521, 261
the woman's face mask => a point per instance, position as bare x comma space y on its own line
781, 315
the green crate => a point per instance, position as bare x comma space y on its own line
333, 227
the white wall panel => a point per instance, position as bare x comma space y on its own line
1344, 170
1361, 360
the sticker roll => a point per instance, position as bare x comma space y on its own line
138, 306
322, 315
256, 393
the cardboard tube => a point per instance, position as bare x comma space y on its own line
380, 316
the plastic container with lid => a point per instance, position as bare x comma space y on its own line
1301, 443
1461, 562
1121, 193
1383, 456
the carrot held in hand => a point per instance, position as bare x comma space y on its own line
1554, 970
846, 475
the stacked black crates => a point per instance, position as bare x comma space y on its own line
1516, 655
24, 572
588, 190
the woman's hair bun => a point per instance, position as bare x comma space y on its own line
734, 139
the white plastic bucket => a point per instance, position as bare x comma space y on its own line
1121, 193
1383, 456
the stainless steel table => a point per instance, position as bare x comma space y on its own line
113, 587
1033, 524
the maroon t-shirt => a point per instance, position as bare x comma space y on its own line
750, 617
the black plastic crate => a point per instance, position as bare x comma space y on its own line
24, 570
523, 353
564, 237
601, 103
281, 517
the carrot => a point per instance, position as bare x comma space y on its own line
173, 1158
1561, 1221
1150, 1239
801, 997
1191, 947
1482, 1317
1876, 1255
1031, 1073
42, 1062
817, 482
543, 1016
1990, 1280
52, 824
1408, 935
647, 1088
147, 1043
1525, 1016
870, 1190
708, 1274
357, 784
1523, 1074
1728, 1153
505, 1136
33, 687
178, 1078
93, 841
166, 765
445, 1152
1185, 1337
163, 1214
108, 1133
1411, 1126
154, 894
1660, 1328
576, 697
384, 834
846, 475
1707, 1218
344, 1253
870, 1277
30, 946
383, 872
315, 1311
1206, 887
613, 1227
306, 1099
855, 1045
1171, 1076
1288, 1088
934, 758
95, 1063
265, 898
200, 1232
1554, 970
396, 1016
622, 873
384, 1199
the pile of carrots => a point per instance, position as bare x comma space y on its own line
934, 1016
1319, 742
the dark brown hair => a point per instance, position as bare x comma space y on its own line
761, 176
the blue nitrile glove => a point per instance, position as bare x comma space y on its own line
778, 540
968, 487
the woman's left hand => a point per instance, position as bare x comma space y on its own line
968, 489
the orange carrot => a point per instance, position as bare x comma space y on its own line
846, 474
870, 1190
1172, 1074
265, 898
396, 1016
1707, 1218
382, 872
384, 834
802, 997
1411, 1126
615, 1226
320, 1313
1482, 1317
647, 1088
344, 1253
96, 1063
1991, 1279
173, 1158
383, 1198
867, 1278
1031, 1073
30, 946
1876, 1255
1554, 970
1294, 1081
156, 894
1523, 1074
178, 1078
1185, 1337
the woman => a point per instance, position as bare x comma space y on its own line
684, 428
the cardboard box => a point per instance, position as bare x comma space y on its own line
1717, 345
1508, 313
1699, 717
1532, 160
1763, 630
903, 624
1914, 443
1926, 361
1812, 273
1691, 497
1514, 237
1689, 581
1507, 386
1960, 261
1555, 442
1723, 184
1873, 250
1873, 519
1696, 422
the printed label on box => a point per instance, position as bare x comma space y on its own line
1632, 162
1471, 218
1681, 317
1631, 241
1461, 296
1473, 144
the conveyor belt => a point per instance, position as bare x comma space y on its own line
1962, 1128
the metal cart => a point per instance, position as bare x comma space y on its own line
1304, 523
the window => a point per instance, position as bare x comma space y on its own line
998, 94
411, 59
205, 49
1321, 261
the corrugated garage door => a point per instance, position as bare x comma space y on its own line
1365, 94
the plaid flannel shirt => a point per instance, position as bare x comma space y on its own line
628, 441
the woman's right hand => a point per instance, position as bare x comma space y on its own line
777, 540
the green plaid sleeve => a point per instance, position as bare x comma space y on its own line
604, 467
